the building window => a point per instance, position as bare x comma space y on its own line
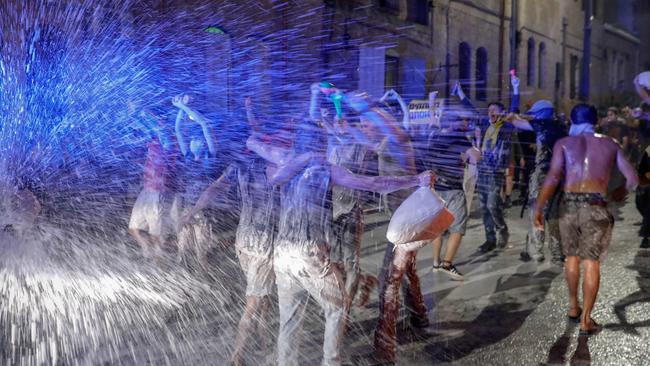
530, 75
573, 78
464, 66
389, 4
391, 73
481, 74
541, 65
418, 11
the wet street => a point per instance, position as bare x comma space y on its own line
508, 312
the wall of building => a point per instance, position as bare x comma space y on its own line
350, 41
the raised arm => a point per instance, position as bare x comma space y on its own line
218, 186
393, 95
514, 102
250, 116
273, 154
553, 179
179, 133
519, 122
278, 175
202, 121
457, 90
314, 102
379, 184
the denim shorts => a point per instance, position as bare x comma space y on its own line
456, 204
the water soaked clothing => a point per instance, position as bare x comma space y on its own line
256, 229
585, 225
302, 264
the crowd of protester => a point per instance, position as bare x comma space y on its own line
301, 210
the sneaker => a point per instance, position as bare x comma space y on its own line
435, 267
487, 246
524, 257
645, 243
538, 257
451, 271
507, 203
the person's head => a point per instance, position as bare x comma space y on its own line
584, 113
612, 113
542, 109
197, 142
369, 129
495, 111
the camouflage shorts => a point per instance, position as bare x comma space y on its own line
585, 225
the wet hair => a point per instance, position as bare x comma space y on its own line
584, 113
498, 105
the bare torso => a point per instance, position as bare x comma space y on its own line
588, 162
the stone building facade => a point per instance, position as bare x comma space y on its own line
418, 46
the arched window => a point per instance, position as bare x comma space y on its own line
530, 75
481, 74
464, 66
541, 65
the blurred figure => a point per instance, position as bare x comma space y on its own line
149, 223
383, 135
615, 127
343, 150
540, 119
254, 236
301, 257
195, 171
582, 163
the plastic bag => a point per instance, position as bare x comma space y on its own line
422, 216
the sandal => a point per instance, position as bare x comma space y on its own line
575, 319
593, 331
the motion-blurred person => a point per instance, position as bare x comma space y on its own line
196, 170
541, 119
254, 236
383, 135
149, 223
301, 258
450, 150
582, 163
343, 150
615, 127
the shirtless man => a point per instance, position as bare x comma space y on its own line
584, 162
